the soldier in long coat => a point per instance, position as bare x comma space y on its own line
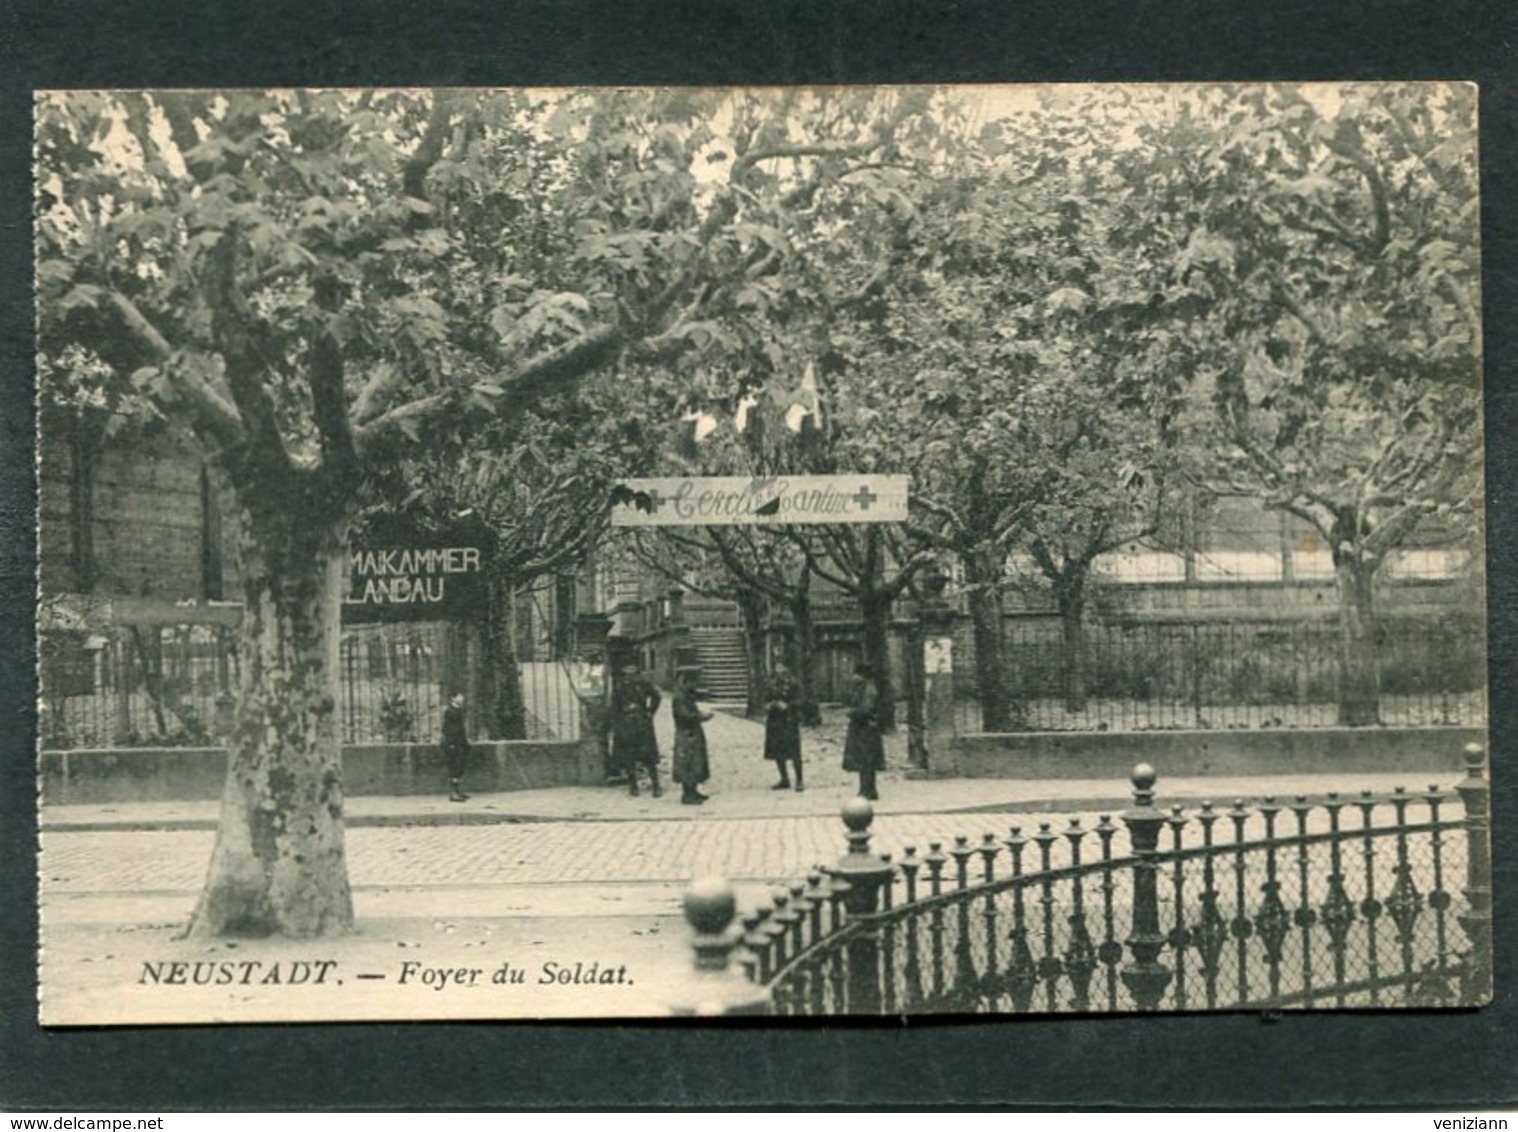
634, 745
456, 750
863, 750
692, 766
782, 726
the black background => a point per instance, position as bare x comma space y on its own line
1332, 1061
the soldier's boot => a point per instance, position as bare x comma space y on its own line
655, 789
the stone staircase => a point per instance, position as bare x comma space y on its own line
724, 667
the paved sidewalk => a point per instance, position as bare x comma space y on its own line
740, 789
899, 795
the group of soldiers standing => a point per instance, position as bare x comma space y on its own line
632, 749
625, 726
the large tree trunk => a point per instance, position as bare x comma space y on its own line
563, 616
1070, 597
751, 611
998, 710
875, 611
505, 711
1359, 670
279, 864
803, 659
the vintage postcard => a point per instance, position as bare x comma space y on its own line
623, 553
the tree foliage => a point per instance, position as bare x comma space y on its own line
1331, 236
1326, 248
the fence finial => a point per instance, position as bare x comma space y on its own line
857, 814
1143, 778
716, 988
1474, 755
866, 875
710, 905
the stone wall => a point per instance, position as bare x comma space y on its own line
162, 774
1108, 755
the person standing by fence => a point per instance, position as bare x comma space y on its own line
456, 748
634, 744
782, 726
863, 749
692, 766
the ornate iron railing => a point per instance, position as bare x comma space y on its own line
1329, 902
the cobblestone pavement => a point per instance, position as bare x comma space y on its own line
550, 856
770, 850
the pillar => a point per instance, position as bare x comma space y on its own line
863, 878
1145, 976
936, 616
1476, 920
716, 987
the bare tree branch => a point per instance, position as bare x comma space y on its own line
430, 148
266, 446
559, 366
214, 414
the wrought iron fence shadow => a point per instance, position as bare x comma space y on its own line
1370, 901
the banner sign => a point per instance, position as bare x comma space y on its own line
414, 583
726, 501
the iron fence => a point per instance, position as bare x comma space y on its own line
392, 682
1147, 675
396, 679
177, 686
1371, 901
134, 686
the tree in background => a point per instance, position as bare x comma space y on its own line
1019, 364
1328, 238
759, 391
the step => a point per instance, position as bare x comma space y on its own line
723, 656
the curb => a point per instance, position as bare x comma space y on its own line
1106, 803
1095, 803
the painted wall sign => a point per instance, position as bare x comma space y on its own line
711, 501
414, 583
